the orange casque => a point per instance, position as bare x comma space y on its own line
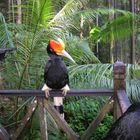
56, 46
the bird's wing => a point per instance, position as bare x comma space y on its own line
65, 72
46, 70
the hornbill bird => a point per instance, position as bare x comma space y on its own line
56, 74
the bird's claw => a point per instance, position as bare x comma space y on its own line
46, 89
65, 90
47, 93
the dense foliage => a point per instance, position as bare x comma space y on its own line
89, 32
86, 111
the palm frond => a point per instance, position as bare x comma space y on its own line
102, 12
6, 37
79, 50
121, 27
101, 76
133, 82
91, 76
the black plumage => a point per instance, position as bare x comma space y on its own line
56, 74
127, 127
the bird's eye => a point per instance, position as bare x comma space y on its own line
51, 49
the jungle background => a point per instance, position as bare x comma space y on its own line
96, 34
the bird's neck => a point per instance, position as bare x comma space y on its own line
54, 57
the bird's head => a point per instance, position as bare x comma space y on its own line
58, 48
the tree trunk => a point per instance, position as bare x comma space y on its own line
82, 24
19, 12
112, 43
8, 8
18, 21
132, 38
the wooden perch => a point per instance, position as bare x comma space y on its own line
58, 93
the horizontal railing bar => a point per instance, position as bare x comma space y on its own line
58, 93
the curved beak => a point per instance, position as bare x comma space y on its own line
64, 53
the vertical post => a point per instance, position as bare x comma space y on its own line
42, 119
119, 84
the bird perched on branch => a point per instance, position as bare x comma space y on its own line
56, 74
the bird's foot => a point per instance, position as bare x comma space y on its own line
47, 93
65, 90
46, 89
